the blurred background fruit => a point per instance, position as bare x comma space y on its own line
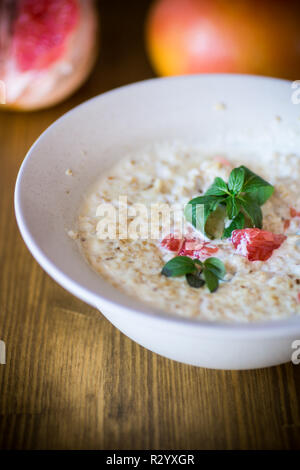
230, 36
47, 49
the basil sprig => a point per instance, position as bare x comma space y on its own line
196, 273
239, 200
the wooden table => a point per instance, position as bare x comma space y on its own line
72, 381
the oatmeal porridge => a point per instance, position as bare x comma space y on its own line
258, 285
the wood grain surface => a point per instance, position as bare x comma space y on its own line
71, 380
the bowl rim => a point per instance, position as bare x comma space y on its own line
284, 327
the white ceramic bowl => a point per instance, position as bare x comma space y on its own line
94, 136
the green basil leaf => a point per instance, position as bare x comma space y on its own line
218, 188
233, 206
179, 266
236, 224
236, 180
252, 209
261, 195
194, 280
211, 280
198, 210
216, 266
259, 189
215, 223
